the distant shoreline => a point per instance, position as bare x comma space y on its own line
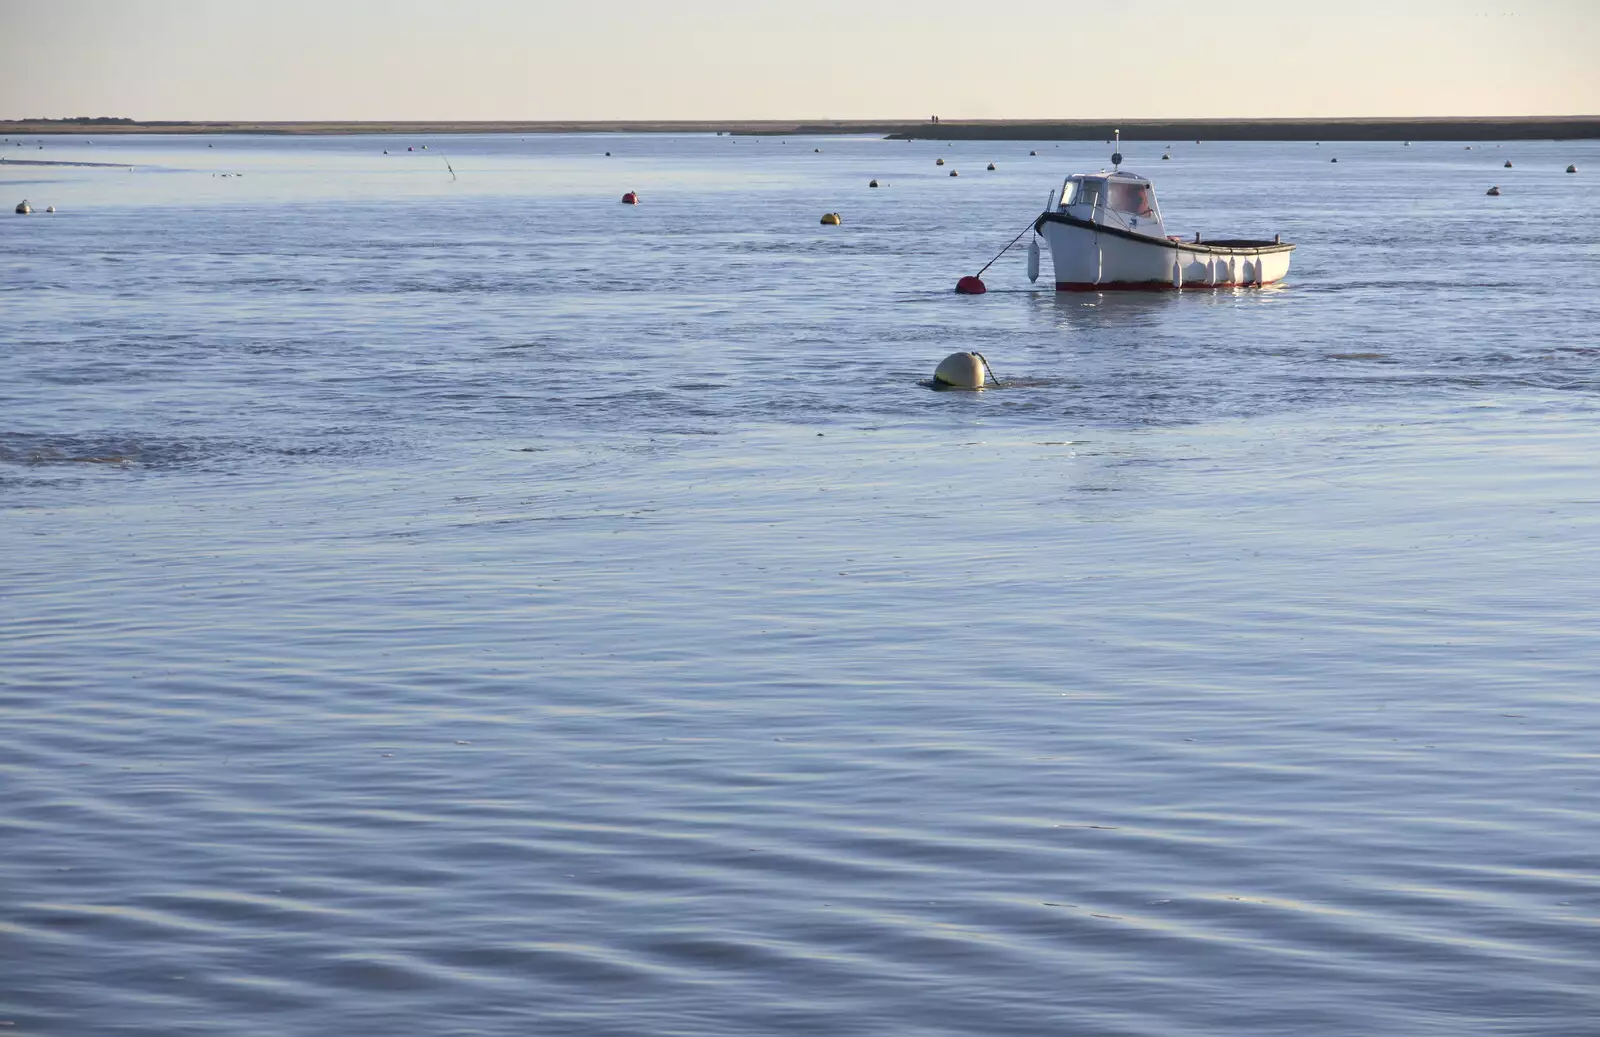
1561, 127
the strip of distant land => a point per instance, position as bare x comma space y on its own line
1556, 127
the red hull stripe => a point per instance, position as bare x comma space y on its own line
1150, 286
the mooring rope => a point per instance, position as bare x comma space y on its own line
1003, 251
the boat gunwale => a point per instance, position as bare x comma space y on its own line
1228, 246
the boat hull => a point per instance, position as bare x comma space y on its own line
1092, 258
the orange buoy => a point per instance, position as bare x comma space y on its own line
970, 285
631, 198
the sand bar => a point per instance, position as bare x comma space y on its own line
1556, 127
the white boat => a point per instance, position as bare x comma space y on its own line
1105, 232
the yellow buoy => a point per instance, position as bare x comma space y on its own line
830, 219
960, 371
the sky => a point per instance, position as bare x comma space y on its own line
800, 59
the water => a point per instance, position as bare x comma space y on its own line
477, 607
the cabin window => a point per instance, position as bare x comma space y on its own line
1069, 193
1089, 193
1134, 198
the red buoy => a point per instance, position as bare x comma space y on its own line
630, 199
970, 285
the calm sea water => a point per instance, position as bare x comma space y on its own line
473, 606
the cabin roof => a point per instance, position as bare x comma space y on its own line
1110, 174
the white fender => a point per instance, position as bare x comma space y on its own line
1033, 259
1177, 274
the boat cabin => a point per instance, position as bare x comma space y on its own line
1121, 200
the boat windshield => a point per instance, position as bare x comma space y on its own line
1089, 192
1069, 193
1132, 197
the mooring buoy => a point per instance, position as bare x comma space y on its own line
954, 173
991, 167
1493, 192
961, 371
1508, 163
23, 208
1572, 169
1033, 154
830, 219
938, 161
873, 183
631, 198
971, 285
49, 208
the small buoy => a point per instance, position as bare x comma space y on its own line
1033, 154
830, 219
938, 161
608, 154
991, 167
970, 285
960, 371
816, 151
1033, 259
49, 208
1572, 169
1166, 158
1333, 160
631, 198
1493, 192
1508, 163
954, 173
23, 208
873, 183
411, 149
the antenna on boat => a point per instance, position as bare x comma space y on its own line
1116, 154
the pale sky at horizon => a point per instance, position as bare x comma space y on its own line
724, 59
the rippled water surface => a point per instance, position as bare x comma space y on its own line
473, 606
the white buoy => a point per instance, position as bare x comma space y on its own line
960, 371
1033, 259
49, 208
